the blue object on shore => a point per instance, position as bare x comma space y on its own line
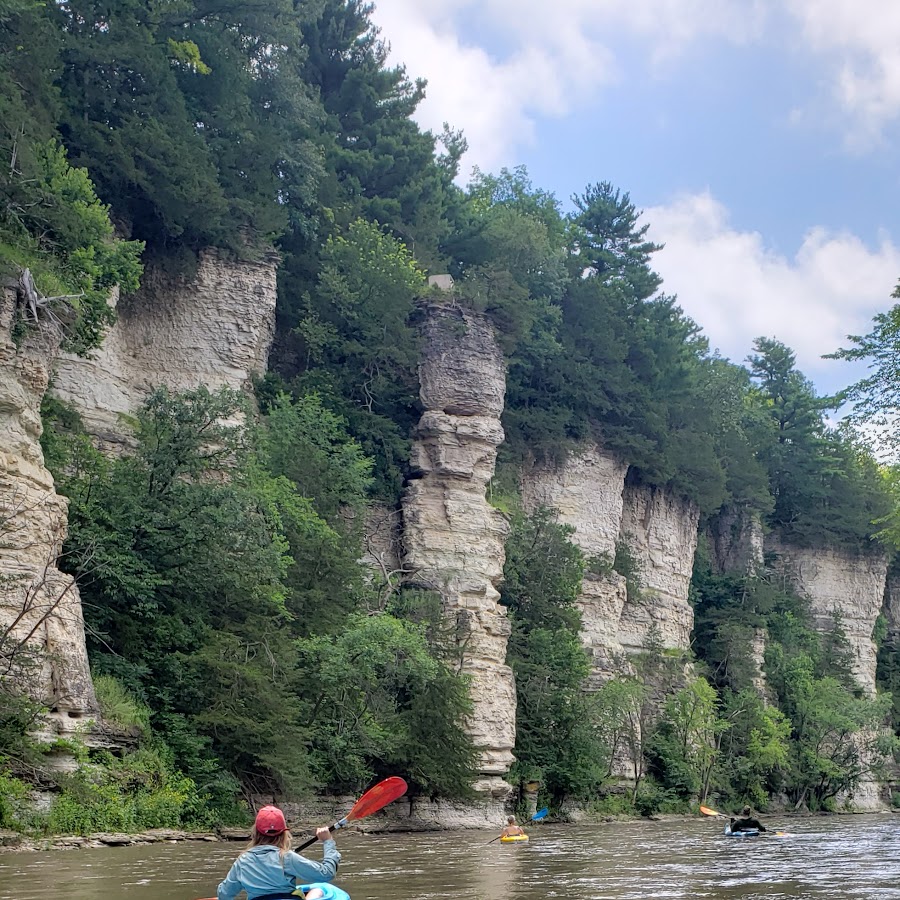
540, 815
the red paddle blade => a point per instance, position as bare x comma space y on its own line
709, 812
377, 797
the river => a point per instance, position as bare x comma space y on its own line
837, 858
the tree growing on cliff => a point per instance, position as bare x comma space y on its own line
824, 484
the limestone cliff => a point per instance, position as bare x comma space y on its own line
891, 606
660, 530
453, 539
214, 328
42, 644
586, 492
736, 541
843, 582
589, 493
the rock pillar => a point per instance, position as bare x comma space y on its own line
452, 538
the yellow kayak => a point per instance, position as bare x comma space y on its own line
514, 839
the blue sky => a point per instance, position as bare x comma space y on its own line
759, 136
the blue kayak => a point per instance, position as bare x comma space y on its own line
750, 832
329, 891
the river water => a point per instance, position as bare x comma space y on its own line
836, 858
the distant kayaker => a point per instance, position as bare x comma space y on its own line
511, 830
746, 822
268, 867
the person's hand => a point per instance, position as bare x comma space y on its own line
323, 834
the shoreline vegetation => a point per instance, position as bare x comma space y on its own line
15, 842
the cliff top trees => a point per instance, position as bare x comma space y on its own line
825, 487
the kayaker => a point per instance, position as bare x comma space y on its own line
511, 829
746, 822
268, 867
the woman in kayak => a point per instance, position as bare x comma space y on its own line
746, 822
511, 829
269, 868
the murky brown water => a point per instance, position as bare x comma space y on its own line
835, 858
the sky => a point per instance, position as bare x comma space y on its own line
759, 137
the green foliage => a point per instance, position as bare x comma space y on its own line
684, 747
229, 604
876, 398
825, 486
379, 702
52, 223
357, 344
118, 707
136, 792
13, 792
543, 572
558, 729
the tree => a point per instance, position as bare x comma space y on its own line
876, 399
558, 733
825, 486
183, 572
611, 243
399, 712
359, 345
166, 103
684, 748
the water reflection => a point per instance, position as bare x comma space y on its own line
838, 858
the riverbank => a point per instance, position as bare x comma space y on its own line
11, 841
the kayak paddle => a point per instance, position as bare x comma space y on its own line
540, 815
372, 800
711, 812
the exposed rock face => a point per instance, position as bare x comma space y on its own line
589, 493
736, 541
586, 492
661, 532
453, 539
844, 582
215, 329
41, 626
891, 608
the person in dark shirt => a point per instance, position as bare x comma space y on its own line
746, 822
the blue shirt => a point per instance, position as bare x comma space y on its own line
260, 870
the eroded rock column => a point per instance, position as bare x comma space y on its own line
453, 539
42, 644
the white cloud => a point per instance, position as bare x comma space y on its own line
737, 288
861, 40
557, 55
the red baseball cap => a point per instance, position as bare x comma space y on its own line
270, 820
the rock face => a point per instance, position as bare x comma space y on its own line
891, 607
736, 541
586, 492
589, 493
453, 539
214, 328
844, 582
661, 531
42, 645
